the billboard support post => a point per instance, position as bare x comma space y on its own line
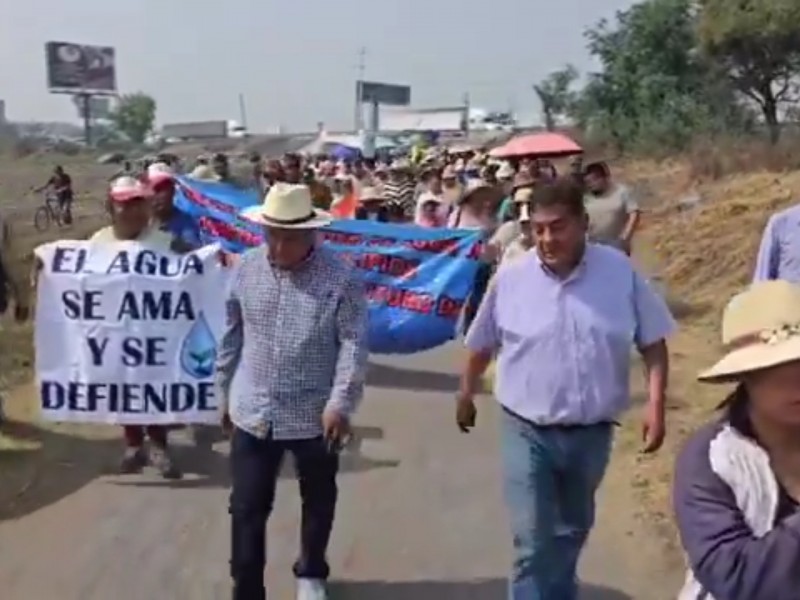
370, 135
86, 110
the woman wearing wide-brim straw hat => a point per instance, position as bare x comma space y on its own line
737, 480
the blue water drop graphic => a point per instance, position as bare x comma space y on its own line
199, 350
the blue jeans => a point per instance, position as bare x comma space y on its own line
550, 478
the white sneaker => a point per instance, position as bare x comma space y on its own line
311, 589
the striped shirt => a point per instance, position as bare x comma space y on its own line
297, 343
402, 193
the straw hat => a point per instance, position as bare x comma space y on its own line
760, 329
400, 164
523, 179
159, 172
506, 171
287, 206
522, 195
203, 173
127, 188
473, 186
372, 194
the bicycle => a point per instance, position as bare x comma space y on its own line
50, 212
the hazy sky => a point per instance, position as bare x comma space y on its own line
296, 61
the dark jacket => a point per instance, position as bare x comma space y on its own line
727, 559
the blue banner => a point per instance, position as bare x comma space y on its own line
417, 279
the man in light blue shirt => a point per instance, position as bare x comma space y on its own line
561, 321
779, 252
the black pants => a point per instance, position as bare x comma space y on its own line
65, 206
255, 466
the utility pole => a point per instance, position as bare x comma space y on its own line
358, 123
466, 112
242, 111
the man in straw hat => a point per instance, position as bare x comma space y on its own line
296, 339
737, 479
372, 205
400, 188
130, 205
561, 321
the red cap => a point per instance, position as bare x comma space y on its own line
126, 188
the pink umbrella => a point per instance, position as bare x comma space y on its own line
543, 144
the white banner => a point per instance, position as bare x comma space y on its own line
126, 334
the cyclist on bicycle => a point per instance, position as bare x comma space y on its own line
60, 185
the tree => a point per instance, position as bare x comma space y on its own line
555, 94
135, 116
654, 89
758, 44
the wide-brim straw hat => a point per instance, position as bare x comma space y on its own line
522, 195
760, 329
372, 194
523, 179
505, 171
203, 173
400, 164
287, 206
473, 187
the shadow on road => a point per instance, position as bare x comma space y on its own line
385, 376
58, 465
484, 589
207, 463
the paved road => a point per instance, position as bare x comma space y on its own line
420, 517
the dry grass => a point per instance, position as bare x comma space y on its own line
701, 256
29, 452
713, 159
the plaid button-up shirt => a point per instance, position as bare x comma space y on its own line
297, 343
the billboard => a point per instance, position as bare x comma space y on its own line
196, 130
80, 68
383, 93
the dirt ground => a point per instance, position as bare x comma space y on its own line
25, 449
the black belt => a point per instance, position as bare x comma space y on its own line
559, 426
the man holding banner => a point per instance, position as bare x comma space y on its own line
296, 341
131, 208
